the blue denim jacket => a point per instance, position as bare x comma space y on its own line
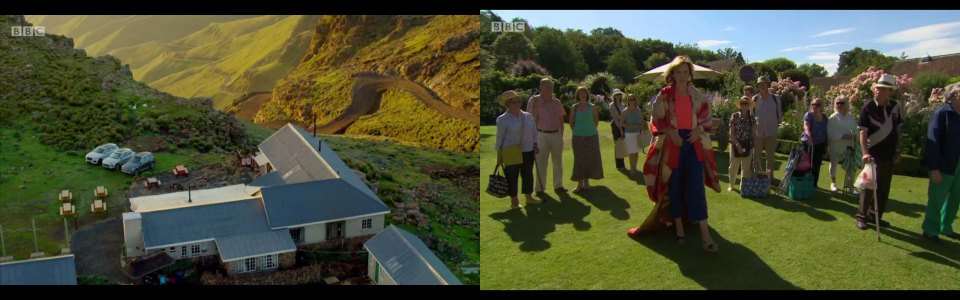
943, 141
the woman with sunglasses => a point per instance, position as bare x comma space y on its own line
815, 134
632, 122
742, 133
840, 129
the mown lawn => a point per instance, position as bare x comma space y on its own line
579, 241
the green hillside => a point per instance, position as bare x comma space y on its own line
221, 57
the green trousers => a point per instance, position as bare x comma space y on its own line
942, 204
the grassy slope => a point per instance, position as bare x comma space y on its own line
99, 34
194, 56
45, 172
772, 243
399, 110
327, 77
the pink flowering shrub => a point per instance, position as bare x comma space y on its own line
860, 88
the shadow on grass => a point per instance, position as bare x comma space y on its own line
531, 225
944, 253
604, 199
733, 267
809, 207
485, 135
636, 177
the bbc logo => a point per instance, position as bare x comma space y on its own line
27, 31
508, 26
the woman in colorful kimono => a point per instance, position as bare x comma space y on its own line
680, 158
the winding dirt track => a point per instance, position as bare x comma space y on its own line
368, 93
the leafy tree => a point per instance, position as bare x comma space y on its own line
780, 64
762, 69
796, 75
584, 44
857, 60
926, 81
622, 65
813, 70
699, 56
557, 54
487, 36
510, 47
656, 60
729, 53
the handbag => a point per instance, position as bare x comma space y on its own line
757, 186
644, 138
513, 155
497, 185
805, 163
620, 150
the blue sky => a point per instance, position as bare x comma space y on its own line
802, 36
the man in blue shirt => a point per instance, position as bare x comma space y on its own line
940, 157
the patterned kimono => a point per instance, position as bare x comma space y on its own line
664, 155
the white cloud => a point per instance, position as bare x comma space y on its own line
810, 47
711, 43
831, 67
923, 33
834, 32
730, 28
824, 57
932, 47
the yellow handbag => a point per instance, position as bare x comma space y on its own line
513, 155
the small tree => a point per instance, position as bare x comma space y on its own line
623, 66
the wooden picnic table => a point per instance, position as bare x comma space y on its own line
66, 196
153, 182
180, 170
100, 192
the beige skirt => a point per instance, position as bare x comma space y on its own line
586, 158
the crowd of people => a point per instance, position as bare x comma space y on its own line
680, 155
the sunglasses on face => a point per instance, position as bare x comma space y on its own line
841, 103
816, 105
744, 103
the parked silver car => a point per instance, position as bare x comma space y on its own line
140, 162
117, 158
96, 156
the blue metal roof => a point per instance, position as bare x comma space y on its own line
59, 270
407, 259
202, 222
317, 201
255, 244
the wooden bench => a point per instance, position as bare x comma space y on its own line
98, 206
100, 192
66, 196
66, 209
181, 171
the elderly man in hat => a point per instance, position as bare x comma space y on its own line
768, 115
548, 114
940, 157
880, 141
516, 127
615, 107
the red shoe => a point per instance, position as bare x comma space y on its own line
633, 231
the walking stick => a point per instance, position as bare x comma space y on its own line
876, 208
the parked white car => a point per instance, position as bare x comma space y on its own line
117, 158
96, 156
